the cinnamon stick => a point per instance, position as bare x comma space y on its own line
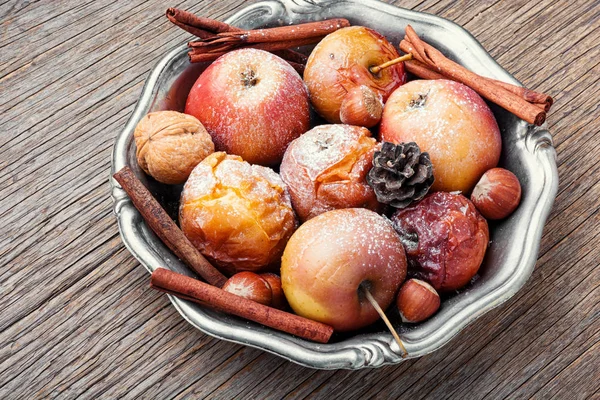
539, 99
271, 38
205, 28
421, 70
494, 93
200, 55
191, 289
282, 33
291, 56
170, 234
198, 26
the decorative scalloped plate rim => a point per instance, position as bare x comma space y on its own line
510, 261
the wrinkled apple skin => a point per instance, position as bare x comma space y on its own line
238, 215
445, 238
326, 169
328, 259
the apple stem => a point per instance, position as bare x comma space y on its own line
375, 305
386, 64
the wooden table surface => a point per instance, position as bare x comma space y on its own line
77, 318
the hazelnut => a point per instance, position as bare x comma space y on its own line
417, 301
278, 298
250, 286
361, 106
497, 194
170, 144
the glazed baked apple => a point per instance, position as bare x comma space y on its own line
445, 239
449, 121
341, 62
238, 215
326, 169
330, 261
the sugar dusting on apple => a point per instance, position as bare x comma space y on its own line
345, 264
252, 103
445, 238
329, 260
449, 121
238, 215
326, 169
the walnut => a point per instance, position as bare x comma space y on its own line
170, 144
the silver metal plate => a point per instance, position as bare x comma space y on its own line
510, 260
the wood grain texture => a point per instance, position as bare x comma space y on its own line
78, 319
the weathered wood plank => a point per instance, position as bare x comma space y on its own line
554, 373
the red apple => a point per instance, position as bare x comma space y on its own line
341, 62
449, 121
332, 258
252, 103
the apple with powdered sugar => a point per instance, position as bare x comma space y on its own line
338, 262
445, 239
238, 215
326, 169
252, 103
449, 121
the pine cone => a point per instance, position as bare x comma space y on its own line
401, 174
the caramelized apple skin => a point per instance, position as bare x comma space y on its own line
238, 215
326, 169
341, 62
445, 239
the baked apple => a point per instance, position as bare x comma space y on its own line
333, 258
252, 103
445, 239
238, 215
341, 62
326, 169
449, 121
